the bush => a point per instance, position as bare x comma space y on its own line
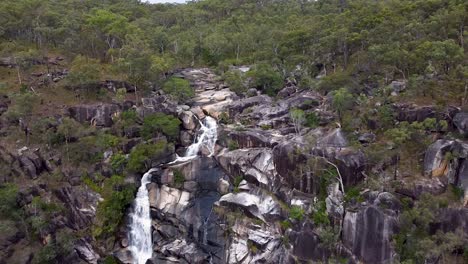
296, 213
320, 216
233, 145
312, 120
179, 89
265, 78
236, 81
160, 122
179, 178
118, 162
8, 204
143, 153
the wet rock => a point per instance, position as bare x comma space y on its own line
124, 256
461, 122
368, 231
451, 220
334, 202
168, 200
198, 112
98, 115
223, 186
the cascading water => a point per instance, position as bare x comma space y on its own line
140, 238
207, 136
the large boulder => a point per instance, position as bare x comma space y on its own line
189, 121
256, 204
255, 165
98, 115
86, 252
368, 231
461, 122
32, 163
306, 244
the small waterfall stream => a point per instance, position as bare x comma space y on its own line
140, 237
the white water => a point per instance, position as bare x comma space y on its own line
207, 136
140, 238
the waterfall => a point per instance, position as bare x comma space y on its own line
207, 136
140, 237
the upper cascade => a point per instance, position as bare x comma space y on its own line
207, 136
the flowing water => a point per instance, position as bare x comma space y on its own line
140, 237
140, 242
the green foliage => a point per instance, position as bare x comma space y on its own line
129, 118
312, 120
8, 204
237, 180
160, 122
179, 177
298, 118
296, 213
285, 224
236, 80
117, 197
320, 216
61, 246
353, 195
179, 89
142, 154
232, 145
342, 101
118, 162
334, 82
83, 72
265, 78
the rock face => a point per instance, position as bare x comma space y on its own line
97, 115
447, 158
461, 122
82, 203
368, 231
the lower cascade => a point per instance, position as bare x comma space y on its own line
140, 236
140, 224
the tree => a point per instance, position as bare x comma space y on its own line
342, 100
298, 118
265, 78
160, 122
179, 89
236, 81
84, 71
69, 129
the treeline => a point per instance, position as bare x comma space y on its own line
358, 42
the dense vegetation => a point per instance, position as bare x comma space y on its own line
349, 50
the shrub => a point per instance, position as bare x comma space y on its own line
312, 120
118, 162
233, 145
236, 81
296, 213
264, 77
143, 153
179, 177
320, 216
179, 89
8, 204
160, 122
